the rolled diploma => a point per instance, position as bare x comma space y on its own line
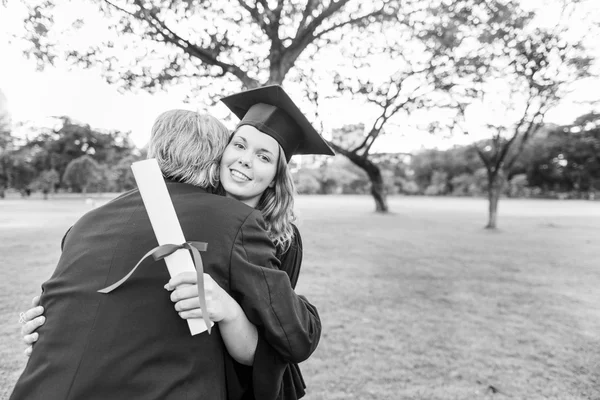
164, 222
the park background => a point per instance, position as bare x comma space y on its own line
439, 111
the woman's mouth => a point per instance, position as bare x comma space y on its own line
237, 174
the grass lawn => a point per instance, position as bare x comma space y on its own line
419, 304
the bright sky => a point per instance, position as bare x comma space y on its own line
85, 96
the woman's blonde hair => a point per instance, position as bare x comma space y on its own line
277, 206
188, 146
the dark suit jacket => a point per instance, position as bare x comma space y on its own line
131, 344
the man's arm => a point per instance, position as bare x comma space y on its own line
62, 242
266, 296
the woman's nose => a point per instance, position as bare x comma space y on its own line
244, 160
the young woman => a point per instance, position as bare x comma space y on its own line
253, 170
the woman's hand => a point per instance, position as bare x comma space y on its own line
219, 304
33, 320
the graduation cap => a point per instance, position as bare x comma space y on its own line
270, 110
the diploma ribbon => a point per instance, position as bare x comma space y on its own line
160, 252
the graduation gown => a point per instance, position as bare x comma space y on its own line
271, 377
130, 343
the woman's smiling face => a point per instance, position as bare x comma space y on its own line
249, 164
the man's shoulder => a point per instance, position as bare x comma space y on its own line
191, 199
231, 209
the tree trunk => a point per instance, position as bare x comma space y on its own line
378, 192
494, 190
373, 172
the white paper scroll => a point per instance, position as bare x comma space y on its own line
164, 222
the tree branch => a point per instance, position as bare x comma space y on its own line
509, 143
277, 11
348, 22
120, 9
310, 6
531, 130
356, 159
256, 16
304, 36
165, 34
484, 158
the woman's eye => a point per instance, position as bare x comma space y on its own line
264, 158
238, 145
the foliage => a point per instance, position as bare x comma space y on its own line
198, 43
438, 185
569, 158
46, 182
340, 176
518, 71
122, 176
460, 160
307, 181
440, 54
406, 186
6, 138
40, 163
561, 161
55, 148
252, 43
16, 170
518, 186
82, 172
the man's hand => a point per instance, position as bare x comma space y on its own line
220, 305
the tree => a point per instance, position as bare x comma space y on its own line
56, 147
348, 136
18, 171
123, 175
6, 141
252, 42
529, 68
6, 138
460, 161
424, 51
307, 181
198, 43
47, 182
399, 91
568, 160
5, 159
341, 176
438, 185
81, 173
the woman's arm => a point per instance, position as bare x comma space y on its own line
265, 294
238, 333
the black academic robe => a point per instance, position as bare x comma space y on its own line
131, 344
271, 377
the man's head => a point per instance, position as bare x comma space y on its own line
188, 146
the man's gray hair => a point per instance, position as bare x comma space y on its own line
188, 146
